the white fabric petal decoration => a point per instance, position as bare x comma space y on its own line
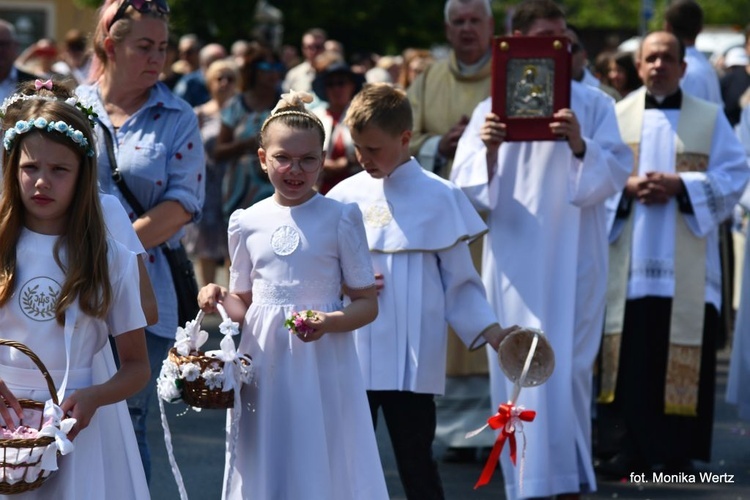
53, 416
228, 354
229, 327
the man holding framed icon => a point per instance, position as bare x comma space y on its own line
545, 255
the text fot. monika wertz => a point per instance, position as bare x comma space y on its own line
682, 478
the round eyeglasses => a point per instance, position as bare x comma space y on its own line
283, 163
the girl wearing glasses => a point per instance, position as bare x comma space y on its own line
155, 144
306, 432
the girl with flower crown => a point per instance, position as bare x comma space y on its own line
64, 309
305, 429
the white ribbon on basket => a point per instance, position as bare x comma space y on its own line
58, 428
228, 352
188, 338
232, 381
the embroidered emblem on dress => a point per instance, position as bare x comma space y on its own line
38, 298
378, 215
284, 240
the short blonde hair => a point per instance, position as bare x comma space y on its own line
222, 65
380, 105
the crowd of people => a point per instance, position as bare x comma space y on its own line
385, 196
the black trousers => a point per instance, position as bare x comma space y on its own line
410, 418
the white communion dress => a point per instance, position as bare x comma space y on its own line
305, 430
105, 462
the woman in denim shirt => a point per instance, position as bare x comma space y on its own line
158, 150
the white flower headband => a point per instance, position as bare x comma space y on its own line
84, 107
23, 126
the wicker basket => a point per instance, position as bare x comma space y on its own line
26, 476
196, 393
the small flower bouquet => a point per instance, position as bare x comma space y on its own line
296, 322
204, 380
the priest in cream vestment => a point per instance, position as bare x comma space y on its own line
658, 360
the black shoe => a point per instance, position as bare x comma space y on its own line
460, 455
620, 466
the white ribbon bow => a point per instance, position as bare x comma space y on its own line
229, 327
228, 354
293, 98
58, 428
190, 338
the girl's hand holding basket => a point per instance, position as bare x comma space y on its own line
29, 449
204, 380
209, 380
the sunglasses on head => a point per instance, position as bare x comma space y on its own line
141, 6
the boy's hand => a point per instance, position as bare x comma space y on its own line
495, 334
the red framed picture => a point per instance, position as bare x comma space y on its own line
530, 82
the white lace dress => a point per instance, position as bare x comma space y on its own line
305, 430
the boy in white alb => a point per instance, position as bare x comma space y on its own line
418, 228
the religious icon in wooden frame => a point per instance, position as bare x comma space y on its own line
530, 82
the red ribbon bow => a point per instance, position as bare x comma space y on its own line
507, 418
38, 84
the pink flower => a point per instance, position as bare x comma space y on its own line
296, 323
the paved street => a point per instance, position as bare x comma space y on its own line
199, 446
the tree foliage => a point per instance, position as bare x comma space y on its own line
388, 26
